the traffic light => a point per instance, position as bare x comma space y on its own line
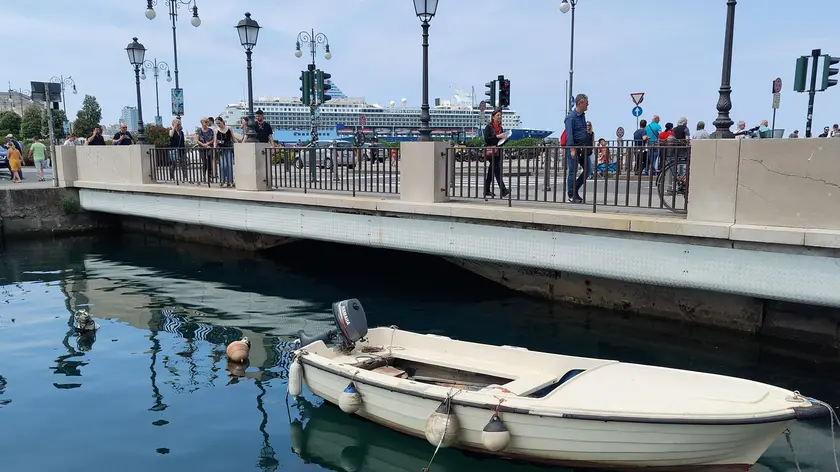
828, 71
491, 92
305, 87
504, 92
800, 77
323, 85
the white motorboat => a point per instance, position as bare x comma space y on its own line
540, 407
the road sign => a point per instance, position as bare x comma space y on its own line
637, 111
482, 106
571, 102
178, 102
777, 85
776, 100
619, 133
638, 98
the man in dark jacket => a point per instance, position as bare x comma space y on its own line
577, 150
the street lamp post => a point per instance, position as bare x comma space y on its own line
157, 67
249, 30
174, 5
425, 10
136, 54
21, 93
65, 82
565, 6
724, 104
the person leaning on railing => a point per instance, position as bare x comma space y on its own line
177, 142
206, 139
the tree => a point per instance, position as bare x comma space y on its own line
58, 122
9, 123
88, 117
157, 135
30, 124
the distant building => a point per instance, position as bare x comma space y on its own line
130, 117
16, 101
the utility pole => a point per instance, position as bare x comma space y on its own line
815, 54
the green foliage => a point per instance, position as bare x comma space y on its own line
526, 142
475, 142
157, 135
88, 117
30, 124
58, 122
386, 144
9, 123
68, 205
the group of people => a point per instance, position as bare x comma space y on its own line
14, 154
578, 141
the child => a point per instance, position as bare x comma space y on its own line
14, 163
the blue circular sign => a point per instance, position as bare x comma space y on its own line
637, 111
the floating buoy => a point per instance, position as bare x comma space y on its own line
295, 379
237, 351
82, 321
442, 427
296, 436
495, 435
350, 399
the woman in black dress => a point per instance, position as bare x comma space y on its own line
224, 142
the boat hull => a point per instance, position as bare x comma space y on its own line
563, 441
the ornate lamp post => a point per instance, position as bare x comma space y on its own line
249, 30
65, 82
565, 7
136, 54
174, 5
157, 67
21, 93
425, 10
724, 104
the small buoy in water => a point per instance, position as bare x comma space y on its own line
295, 379
237, 351
495, 435
442, 427
350, 399
82, 321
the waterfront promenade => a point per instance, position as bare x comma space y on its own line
751, 241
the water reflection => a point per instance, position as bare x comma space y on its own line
324, 435
162, 390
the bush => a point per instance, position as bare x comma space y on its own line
157, 136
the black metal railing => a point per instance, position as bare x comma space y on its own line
615, 174
339, 169
198, 166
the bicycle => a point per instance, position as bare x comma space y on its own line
673, 187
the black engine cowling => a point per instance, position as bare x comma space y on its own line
351, 325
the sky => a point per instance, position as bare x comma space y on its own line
672, 54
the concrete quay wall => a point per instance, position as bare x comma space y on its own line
762, 229
30, 212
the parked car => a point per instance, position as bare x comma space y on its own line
4, 161
327, 154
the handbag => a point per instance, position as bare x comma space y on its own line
489, 152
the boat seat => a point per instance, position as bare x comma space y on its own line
523, 383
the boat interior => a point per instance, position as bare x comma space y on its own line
441, 361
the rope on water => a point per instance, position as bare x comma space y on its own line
792, 451
832, 419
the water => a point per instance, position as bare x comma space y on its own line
152, 390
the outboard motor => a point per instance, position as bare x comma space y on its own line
351, 325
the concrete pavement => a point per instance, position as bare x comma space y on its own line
30, 179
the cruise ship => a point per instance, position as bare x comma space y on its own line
342, 117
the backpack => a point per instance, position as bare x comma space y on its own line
563, 138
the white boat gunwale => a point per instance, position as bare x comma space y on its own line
796, 413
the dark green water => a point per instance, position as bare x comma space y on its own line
152, 391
